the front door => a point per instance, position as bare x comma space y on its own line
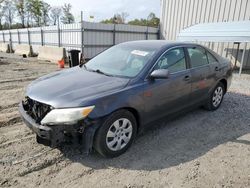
164, 96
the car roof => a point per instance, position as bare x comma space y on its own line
153, 44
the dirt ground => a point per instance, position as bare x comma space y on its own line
199, 149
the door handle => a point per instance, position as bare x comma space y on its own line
186, 78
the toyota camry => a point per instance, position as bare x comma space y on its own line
104, 103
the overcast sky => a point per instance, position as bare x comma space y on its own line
103, 9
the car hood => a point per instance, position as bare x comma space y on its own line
73, 87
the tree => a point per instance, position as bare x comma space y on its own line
118, 19
142, 22
28, 5
67, 15
36, 10
45, 13
9, 12
1, 15
20, 6
123, 17
151, 21
108, 21
55, 14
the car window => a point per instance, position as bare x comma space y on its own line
173, 60
211, 58
197, 56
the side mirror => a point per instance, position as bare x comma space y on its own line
159, 74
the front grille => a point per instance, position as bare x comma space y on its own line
35, 109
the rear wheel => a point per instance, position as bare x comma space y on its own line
116, 134
216, 97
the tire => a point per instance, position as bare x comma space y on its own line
216, 95
116, 134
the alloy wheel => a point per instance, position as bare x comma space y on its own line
217, 96
119, 134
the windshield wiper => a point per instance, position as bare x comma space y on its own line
97, 71
83, 65
100, 72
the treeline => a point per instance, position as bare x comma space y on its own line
32, 13
151, 20
35, 13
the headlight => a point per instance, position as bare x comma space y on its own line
67, 115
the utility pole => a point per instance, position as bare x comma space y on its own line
82, 34
59, 32
114, 30
147, 29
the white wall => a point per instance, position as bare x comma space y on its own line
179, 14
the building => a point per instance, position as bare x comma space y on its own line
177, 15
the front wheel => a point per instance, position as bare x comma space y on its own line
216, 97
116, 134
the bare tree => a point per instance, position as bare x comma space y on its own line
124, 16
20, 6
1, 15
55, 14
9, 12
67, 15
36, 10
45, 13
120, 18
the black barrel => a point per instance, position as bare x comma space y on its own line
73, 57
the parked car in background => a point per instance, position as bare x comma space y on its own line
106, 102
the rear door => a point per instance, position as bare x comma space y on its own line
164, 96
201, 74
215, 68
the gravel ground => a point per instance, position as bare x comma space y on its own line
199, 149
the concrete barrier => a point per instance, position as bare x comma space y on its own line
4, 47
53, 54
23, 49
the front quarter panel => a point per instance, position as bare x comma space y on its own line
129, 97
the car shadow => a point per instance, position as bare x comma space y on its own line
183, 139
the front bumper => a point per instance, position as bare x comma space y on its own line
82, 133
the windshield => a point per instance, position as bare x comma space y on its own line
120, 60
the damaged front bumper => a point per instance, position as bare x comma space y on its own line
80, 133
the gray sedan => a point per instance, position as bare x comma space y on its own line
106, 102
